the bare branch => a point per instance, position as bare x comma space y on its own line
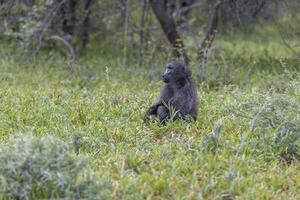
39, 32
69, 46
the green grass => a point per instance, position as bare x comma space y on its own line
231, 151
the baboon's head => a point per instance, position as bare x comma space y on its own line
176, 71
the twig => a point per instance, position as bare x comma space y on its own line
45, 25
69, 46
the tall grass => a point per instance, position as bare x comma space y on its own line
243, 145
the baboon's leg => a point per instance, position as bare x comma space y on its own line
162, 113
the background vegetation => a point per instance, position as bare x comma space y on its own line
73, 94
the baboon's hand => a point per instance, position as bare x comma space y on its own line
151, 111
146, 118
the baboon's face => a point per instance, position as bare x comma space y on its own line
175, 71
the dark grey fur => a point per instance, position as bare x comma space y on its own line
179, 92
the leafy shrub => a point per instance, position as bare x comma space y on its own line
46, 167
211, 142
280, 113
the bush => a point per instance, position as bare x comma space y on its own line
46, 167
279, 113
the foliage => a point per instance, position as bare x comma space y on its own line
77, 25
278, 113
46, 167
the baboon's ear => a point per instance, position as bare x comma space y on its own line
185, 67
188, 72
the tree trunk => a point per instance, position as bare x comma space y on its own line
69, 18
86, 23
124, 8
141, 34
168, 25
208, 40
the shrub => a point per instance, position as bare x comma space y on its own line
46, 167
279, 113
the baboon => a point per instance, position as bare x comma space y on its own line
178, 98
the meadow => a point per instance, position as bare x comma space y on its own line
79, 134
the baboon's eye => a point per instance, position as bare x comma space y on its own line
170, 67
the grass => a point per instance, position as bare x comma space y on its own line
239, 147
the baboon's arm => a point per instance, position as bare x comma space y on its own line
165, 96
182, 102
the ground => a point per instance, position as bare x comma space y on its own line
231, 151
